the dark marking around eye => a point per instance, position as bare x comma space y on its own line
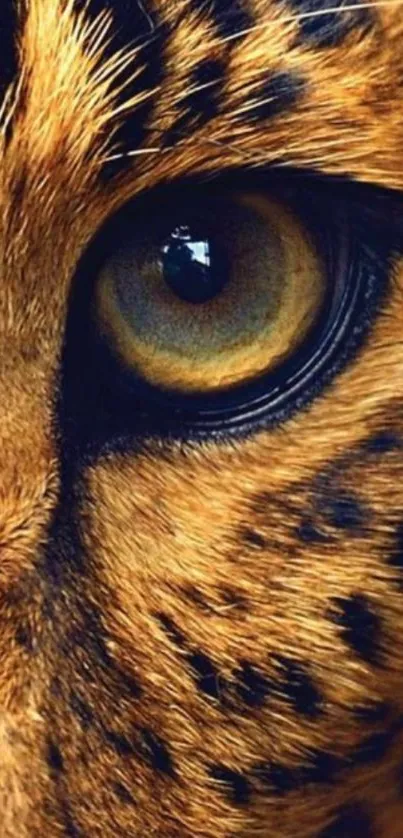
298, 686
252, 686
360, 626
350, 822
82, 710
54, 758
396, 556
236, 786
119, 743
230, 16
206, 675
123, 793
279, 93
324, 23
157, 752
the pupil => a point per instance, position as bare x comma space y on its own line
193, 266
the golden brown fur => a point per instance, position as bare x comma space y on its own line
171, 571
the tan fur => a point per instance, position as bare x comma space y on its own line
163, 528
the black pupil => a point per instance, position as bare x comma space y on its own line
194, 266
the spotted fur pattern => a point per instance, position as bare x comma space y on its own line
198, 640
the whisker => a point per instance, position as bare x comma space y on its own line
296, 18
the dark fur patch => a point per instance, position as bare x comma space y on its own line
324, 23
157, 752
298, 687
280, 779
252, 538
350, 822
252, 686
120, 743
82, 710
123, 794
278, 93
342, 511
308, 533
206, 674
230, 16
171, 629
236, 786
321, 767
24, 638
202, 103
54, 758
382, 443
372, 713
360, 626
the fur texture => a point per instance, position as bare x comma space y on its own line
202, 640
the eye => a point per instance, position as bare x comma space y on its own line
208, 309
207, 293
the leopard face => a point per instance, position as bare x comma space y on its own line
201, 557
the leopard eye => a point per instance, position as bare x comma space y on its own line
205, 293
208, 309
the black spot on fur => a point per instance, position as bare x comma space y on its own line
396, 556
350, 822
324, 23
372, 713
342, 511
201, 103
171, 629
54, 758
235, 784
230, 16
206, 674
298, 686
157, 752
82, 710
279, 93
360, 626
321, 767
252, 686
24, 638
123, 793
309, 533
9, 25
382, 443
71, 829
373, 748
119, 743
252, 538
280, 779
